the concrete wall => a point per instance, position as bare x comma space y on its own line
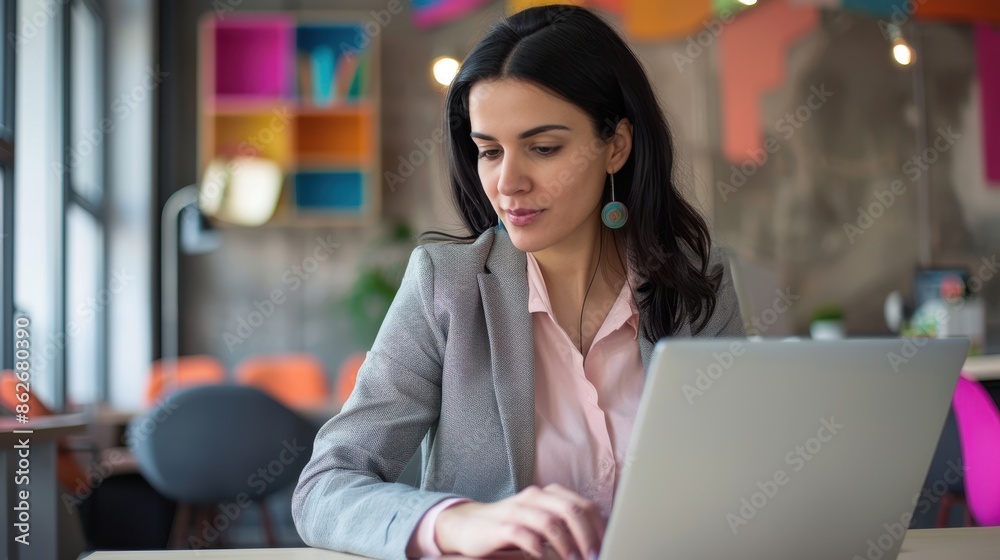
788, 218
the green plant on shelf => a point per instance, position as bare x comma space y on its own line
828, 312
376, 284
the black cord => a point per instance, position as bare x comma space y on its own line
625, 265
600, 249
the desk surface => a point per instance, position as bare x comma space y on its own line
108, 416
983, 367
42, 428
921, 544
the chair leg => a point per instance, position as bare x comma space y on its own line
948, 501
207, 535
209, 515
265, 520
970, 521
181, 526
944, 510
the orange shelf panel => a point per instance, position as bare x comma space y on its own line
340, 137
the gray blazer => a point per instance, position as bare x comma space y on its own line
452, 368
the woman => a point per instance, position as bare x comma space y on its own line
517, 357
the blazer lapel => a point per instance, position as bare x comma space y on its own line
504, 291
646, 349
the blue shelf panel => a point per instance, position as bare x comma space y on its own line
335, 191
331, 63
337, 37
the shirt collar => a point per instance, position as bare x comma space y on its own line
624, 310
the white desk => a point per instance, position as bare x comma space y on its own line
983, 367
920, 544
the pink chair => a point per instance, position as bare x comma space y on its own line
978, 422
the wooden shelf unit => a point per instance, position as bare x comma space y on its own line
279, 85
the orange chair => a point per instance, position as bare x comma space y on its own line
295, 380
169, 375
348, 376
68, 470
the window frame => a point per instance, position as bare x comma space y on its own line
7, 203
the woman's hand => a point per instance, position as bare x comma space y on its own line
571, 524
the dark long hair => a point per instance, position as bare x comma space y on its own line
572, 53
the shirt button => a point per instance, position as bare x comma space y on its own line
605, 464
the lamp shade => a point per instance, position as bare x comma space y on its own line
242, 191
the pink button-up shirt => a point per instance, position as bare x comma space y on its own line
584, 408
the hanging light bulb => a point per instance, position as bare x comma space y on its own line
444, 69
901, 52
748, 2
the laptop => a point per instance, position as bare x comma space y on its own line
781, 450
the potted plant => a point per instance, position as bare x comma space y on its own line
367, 302
827, 322
379, 277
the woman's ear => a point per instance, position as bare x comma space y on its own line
621, 144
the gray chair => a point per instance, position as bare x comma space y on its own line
217, 449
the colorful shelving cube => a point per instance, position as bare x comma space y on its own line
301, 90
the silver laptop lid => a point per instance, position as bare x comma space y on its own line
781, 450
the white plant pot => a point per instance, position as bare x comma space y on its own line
827, 330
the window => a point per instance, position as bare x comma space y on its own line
38, 195
59, 264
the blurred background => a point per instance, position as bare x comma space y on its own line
239, 183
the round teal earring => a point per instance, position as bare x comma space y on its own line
614, 213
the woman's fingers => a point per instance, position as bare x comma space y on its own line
546, 524
570, 518
570, 524
590, 509
525, 539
